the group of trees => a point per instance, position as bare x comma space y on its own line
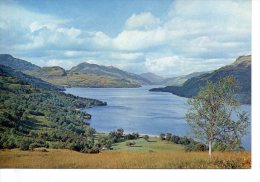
189, 143
32, 117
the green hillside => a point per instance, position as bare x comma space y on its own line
31, 116
240, 70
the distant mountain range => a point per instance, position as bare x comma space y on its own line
240, 70
153, 78
82, 75
179, 81
93, 75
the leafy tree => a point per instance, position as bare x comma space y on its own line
210, 114
162, 136
168, 136
146, 137
175, 139
130, 143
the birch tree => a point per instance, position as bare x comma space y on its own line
211, 115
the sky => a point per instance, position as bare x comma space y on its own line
165, 37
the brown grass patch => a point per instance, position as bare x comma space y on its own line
59, 158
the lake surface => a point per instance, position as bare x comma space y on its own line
138, 110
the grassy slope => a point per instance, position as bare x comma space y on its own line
62, 158
154, 145
153, 154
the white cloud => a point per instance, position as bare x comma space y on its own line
193, 33
143, 20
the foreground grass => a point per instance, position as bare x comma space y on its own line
61, 158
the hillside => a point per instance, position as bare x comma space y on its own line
100, 70
153, 78
18, 64
82, 75
58, 76
179, 81
240, 70
32, 116
5, 70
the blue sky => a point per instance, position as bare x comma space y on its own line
166, 37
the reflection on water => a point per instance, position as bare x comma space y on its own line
138, 110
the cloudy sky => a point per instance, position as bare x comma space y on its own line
166, 37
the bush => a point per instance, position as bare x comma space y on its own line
105, 142
132, 136
184, 140
146, 137
162, 136
175, 139
195, 147
168, 137
130, 143
25, 144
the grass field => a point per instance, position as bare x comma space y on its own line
153, 154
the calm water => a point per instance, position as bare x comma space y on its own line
138, 110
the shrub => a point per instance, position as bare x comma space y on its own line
184, 140
168, 137
162, 136
130, 143
146, 137
25, 144
195, 147
175, 139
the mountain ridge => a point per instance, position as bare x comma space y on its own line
240, 70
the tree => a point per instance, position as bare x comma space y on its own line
146, 137
162, 136
168, 136
210, 114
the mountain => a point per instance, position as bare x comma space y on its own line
6, 70
87, 68
18, 64
179, 81
58, 76
153, 78
240, 70
83, 75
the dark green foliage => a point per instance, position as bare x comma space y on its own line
146, 137
32, 117
162, 136
116, 136
131, 136
185, 140
195, 146
105, 142
168, 136
175, 139
130, 143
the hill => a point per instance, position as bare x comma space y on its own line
82, 75
179, 81
58, 76
18, 64
111, 71
5, 70
153, 78
32, 116
240, 70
